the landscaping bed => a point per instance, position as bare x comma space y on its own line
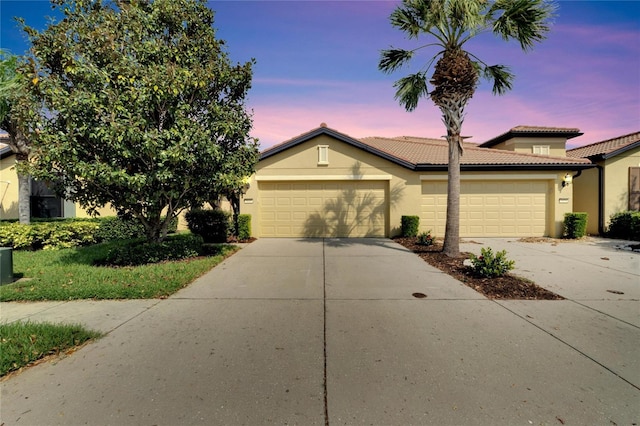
508, 286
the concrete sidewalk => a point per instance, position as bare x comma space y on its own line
328, 332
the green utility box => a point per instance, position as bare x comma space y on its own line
6, 265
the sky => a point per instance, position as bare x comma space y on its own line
317, 62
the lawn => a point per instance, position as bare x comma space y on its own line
70, 274
22, 343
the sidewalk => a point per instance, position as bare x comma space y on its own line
328, 332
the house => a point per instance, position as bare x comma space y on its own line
44, 202
325, 183
613, 185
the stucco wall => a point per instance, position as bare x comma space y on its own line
557, 146
616, 182
8, 189
585, 198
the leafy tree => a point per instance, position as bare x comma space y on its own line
450, 24
11, 88
141, 107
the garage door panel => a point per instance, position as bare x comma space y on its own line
323, 209
494, 208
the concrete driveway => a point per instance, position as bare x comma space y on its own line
328, 332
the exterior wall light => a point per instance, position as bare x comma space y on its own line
567, 179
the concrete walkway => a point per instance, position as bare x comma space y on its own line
328, 332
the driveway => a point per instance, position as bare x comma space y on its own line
327, 332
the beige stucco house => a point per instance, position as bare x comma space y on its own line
613, 185
325, 183
44, 202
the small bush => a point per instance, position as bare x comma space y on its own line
409, 225
575, 225
490, 266
115, 228
425, 238
212, 225
140, 252
244, 227
625, 225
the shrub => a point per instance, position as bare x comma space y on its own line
115, 228
490, 266
425, 238
212, 225
48, 235
409, 225
575, 225
244, 227
625, 225
140, 252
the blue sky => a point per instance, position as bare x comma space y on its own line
317, 62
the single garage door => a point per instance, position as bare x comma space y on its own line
489, 208
323, 209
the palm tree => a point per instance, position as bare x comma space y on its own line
451, 24
10, 87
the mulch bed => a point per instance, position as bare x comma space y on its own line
508, 286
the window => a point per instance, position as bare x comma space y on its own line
323, 155
44, 202
541, 149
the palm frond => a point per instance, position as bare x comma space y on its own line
500, 76
407, 19
526, 21
410, 89
392, 59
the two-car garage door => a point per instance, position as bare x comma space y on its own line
323, 209
489, 208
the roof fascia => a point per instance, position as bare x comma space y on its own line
504, 167
6, 152
620, 150
341, 137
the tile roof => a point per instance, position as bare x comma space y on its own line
435, 152
607, 148
533, 131
419, 153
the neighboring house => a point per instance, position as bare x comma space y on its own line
614, 185
324, 183
44, 203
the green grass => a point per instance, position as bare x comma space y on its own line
70, 274
22, 343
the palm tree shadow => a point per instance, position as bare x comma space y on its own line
352, 212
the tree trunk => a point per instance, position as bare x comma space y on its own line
24, 194
452, 229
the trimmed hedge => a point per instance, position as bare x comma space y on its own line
212, 225
575, 225
244, 226
70, 232
48, 235
409, 226
625, 226
140, 252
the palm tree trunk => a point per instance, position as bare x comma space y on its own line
24, 193
452, 229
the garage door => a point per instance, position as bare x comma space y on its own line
323, 209
489, 209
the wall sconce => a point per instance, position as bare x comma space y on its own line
567, 179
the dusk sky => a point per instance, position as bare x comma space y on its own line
317, 62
